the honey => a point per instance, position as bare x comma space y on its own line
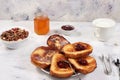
41, 24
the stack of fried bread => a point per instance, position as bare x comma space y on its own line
64, 58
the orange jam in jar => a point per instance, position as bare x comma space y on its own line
41, 24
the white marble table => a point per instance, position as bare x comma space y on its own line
16, 65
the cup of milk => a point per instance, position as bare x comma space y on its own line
104, 28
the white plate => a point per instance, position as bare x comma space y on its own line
47, 71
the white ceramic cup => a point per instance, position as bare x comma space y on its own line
104, 28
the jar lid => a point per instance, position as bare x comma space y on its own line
43, 15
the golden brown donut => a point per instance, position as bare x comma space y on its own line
84, 65
57, 41
59, 67
76, 50
41, 56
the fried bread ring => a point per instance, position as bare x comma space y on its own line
41, 56
57, 41
84, 65
76, 50
59, 67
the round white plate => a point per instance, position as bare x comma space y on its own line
47, 71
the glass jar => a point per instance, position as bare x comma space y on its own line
41, 24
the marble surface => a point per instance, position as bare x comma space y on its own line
16, 64
61, 10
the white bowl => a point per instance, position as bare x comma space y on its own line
14, 44
68, 32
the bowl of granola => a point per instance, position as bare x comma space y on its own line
14, 37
